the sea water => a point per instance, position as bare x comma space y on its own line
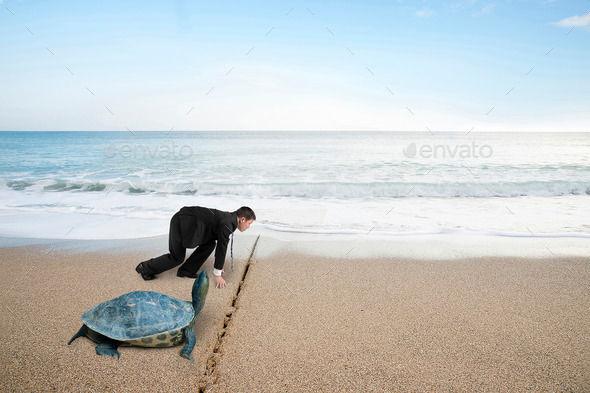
106, 185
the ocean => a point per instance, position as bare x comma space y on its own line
111, 185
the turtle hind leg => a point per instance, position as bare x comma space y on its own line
190, 343
108, 347
81, 332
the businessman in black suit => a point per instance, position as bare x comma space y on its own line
201, 227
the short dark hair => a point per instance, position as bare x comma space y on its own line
246, 212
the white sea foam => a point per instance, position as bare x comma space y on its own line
111, 215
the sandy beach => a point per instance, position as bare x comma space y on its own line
306, 322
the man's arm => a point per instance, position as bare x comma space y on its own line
221, 249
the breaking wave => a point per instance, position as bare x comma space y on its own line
315, 190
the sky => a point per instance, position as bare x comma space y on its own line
458, 65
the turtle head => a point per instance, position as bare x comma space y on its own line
200, 289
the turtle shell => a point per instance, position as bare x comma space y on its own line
138, 314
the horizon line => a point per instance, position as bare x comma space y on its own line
273, 130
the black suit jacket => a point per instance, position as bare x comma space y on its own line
200, 225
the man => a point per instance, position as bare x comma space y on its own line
199, 227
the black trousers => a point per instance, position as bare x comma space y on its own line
177, 253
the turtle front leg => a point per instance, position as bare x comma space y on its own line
190, 338
108, 347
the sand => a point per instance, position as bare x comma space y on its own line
308, 323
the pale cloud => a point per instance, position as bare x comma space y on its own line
488, 9
575, 21
425, 12
461, 5
474, 7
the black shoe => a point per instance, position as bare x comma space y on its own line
145, 275
182, 273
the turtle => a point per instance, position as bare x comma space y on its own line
145, 319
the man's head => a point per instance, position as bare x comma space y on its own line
246, 217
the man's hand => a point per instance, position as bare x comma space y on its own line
219, 281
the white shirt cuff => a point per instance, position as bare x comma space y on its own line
217, 272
